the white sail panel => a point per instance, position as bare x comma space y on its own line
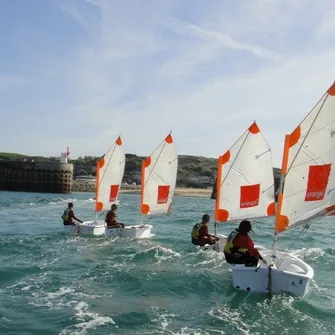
308, 167
159, 175
110, 170
245, 182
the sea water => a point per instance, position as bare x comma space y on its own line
52, 283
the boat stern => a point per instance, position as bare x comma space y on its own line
292, 276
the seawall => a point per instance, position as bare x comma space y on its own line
44, 177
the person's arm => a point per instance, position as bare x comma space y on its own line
245, 242
210, 235
71, 214
251, 248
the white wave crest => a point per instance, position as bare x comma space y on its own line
88, 320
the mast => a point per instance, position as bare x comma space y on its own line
218, 193
280, 195
144, 209
99, 164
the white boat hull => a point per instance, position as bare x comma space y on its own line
218, 246
292, 276
138, 231
99, 228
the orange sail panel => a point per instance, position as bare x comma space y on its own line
113, 193
249, 196
308, 179
163, 194
159, 175
245, 183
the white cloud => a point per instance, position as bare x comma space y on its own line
205, 72
220, 39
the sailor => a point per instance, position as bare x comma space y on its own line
111, 218
68, 215
240, 249
200, 234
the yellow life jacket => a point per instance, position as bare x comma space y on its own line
230, 248
196, 229
65, 216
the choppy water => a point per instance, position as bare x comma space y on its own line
51, 283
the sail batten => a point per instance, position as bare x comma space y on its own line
159, 175
245, 183
308, 180
110, 170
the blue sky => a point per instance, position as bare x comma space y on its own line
81, 72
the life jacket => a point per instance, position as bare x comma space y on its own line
196, 230
66, 215
229, 248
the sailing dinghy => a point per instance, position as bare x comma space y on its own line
159, 176
306, 193
110, 170
245, 183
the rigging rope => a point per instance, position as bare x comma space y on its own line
292, 244
98, 216
144, 223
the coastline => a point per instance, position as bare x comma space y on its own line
86, 186
179, 191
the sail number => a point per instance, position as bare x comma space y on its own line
300, 282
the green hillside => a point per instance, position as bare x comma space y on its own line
12, 156
21, 157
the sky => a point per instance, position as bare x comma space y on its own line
83, 72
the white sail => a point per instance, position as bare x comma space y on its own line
245, 182
159, 175
308, 173
110, 170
